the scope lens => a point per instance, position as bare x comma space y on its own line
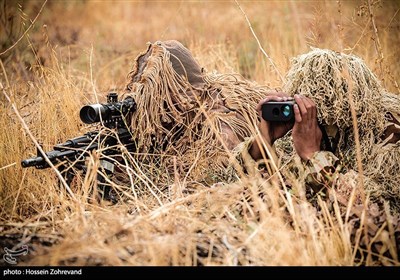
286, 110
91, 114
88, 114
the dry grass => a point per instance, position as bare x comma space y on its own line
78, 50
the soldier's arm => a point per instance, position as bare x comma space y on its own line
242, 153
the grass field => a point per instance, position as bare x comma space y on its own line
57, 56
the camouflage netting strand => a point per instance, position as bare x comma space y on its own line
184, 114
329, 78
326, 76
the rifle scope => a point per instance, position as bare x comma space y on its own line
112, 111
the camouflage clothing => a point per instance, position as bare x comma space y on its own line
195, 117
192, 118
325, 168
231, 109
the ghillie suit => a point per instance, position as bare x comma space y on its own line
339, 83
187, 120
191, 126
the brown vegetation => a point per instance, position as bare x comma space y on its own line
77, 51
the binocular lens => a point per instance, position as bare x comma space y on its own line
275, 112
286, 110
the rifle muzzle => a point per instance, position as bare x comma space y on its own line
32, 162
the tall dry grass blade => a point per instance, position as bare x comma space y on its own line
360, 181
92, 82
360, 170
361, 37
8, 165
19, 191
259, 44
26, 128
5, 73
340, 26
26, 31
392, 18
288, 196
393, 249
377, 42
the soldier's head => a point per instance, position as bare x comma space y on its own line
338, 82
162, 53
